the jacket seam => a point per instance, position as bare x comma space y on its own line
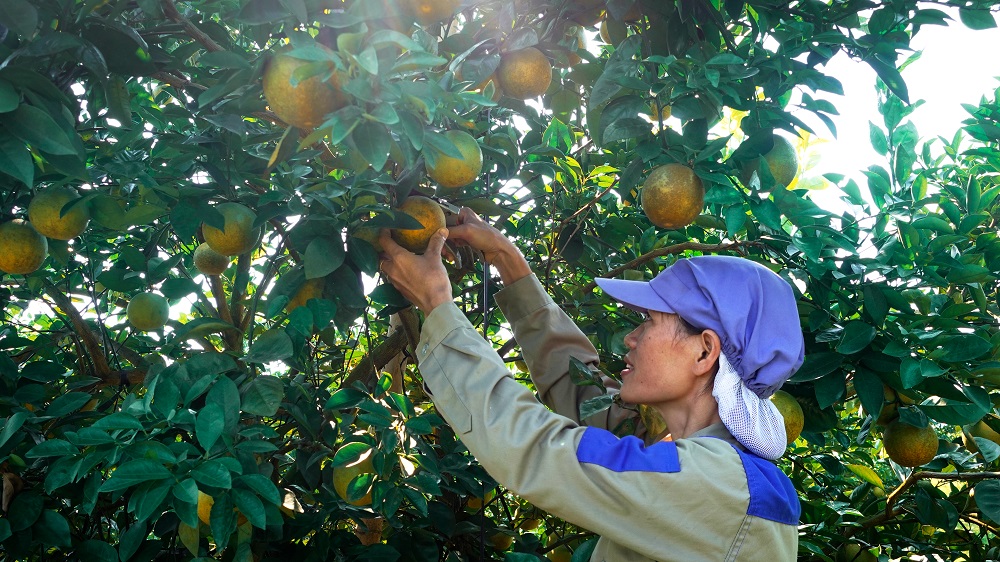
741, 535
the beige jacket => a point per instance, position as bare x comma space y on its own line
699, 498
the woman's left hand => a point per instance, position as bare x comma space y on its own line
422, 279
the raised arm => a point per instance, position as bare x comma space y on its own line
547, 336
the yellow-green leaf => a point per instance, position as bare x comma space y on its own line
866, 474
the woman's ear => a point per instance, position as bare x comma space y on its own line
710, 346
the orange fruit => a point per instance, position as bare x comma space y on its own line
791, 412
310, 289
343, 475
501, 541
429, 12
428, 213
524, 74
453, 173
908, 445
307, 103
44, 212
238, 235
208, 261
854, 552
672, 196
475, 503
782, 161
22, 248
147, 311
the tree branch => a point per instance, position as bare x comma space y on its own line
667, 251
891, 511
170, 10
90, 341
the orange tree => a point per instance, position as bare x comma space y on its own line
276, 412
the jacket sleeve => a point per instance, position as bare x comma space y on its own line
628, 493
548, 338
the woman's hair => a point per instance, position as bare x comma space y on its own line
684, 328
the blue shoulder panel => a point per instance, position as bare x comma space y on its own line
603, 448
772, 495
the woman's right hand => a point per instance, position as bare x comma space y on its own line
471, 230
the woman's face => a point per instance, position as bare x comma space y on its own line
660, 364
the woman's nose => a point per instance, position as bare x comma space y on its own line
631, 338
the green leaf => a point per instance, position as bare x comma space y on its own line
263, 396
94, 550
186, 490
323, 256
225, 393
866, 474
988, 499
37, 128
223, 520
595, 405
131, 540
892, 78
964, 347
178, 288
118, 420
200, 327
9, 98
25, 510
441, 144
208, 425
132, 473
213, 473
977, 18
20, 16
264, 487
146, 500
67, 403
11, 425
51, 448
16, 162
345, 398
272, 345
6, 533
372, 140
52, 530
857, 335
250, 506
817, 365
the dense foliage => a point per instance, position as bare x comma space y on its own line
113, 438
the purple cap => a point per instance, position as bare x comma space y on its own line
751, 309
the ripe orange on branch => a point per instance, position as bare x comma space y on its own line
429, 12
672, 196
208, 261
453, 173
22, 248
358, 457
147, 311
237, 235
782, 162
429, 214
310, 289
45, 213
791, 412
305, 104
909, 445
524, 74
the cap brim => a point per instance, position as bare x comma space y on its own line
637, 295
